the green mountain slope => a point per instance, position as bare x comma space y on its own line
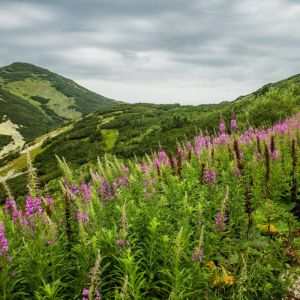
38, 100
132, 130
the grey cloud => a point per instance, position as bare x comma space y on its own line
228, 45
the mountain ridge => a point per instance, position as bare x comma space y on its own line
37, 100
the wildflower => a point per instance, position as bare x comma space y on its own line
11, 207
85, 189
275, 154
180, 151
210, 176
3, 240
33, 207
144, 168
237, 172
222, 127
121, 243
106, 190
125, 170
222, 280
124, 180
189, 145
162, 155
49, 200
82, 217
210, 264
98, 295
198, 252
95, 176
222, 139
281, 128
233, 125
73, 189
220, 222
85, 294
156, 163
267, 228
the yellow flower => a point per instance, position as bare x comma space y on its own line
210, 264
266, 228
224, 279
228, 280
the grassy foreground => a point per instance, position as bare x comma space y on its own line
218, 219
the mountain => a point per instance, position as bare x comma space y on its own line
133, 130
204, 223
34, 101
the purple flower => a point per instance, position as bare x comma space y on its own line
156, 163
220, 222
3, 240
122, 243
198, 254
162, 155
189, 145
233, 125
281, 128
210, 176
222, 139
222, 127
180, 151
275, 154
125, 170
144, 168
85, 292
11, 207
33, 207
82, 217
86, 191
106, 190
73, 190
98, 295
49, 200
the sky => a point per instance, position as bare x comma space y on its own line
161, 51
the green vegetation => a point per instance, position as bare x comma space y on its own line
41, 101
142, 128
4, 140
217, 219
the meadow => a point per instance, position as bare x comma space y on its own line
216, 218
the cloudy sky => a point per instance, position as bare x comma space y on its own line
160, 51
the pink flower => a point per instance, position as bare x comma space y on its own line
126, 170
82, 217
3, 240
275, 154
233, 125
210, 176
85, 189
222, 127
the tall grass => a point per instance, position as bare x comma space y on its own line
217, 220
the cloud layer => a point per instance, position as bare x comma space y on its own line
191, 52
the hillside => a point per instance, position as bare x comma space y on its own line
133, 130
216, 219
34, 101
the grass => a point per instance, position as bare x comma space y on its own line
58, 102
217, 219
110, 137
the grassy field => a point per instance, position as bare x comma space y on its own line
216, 219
